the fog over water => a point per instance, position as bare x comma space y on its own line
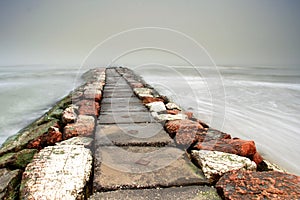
234, 63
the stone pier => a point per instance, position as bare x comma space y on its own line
116, 137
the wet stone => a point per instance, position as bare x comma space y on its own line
9, 183
117, 94
118, 107
57, 172
143, 167
188, 192
125, 117
120, 101
141, 134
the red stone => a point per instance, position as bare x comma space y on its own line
147, 100
185, 130
211, 134
51, 137
136, 85
173, 112
235, 146
236, 185
257, 158
95, 95
84, 126
189, 114
88, 107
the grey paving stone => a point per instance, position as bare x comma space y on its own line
142, 134
143, 167
125, 117
120, 100
188, 192
118, 107
117, 94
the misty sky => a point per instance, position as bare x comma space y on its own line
234, 32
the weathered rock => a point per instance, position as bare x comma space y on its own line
69, 115
89, 107
17, 160
188, 192
85, 141
84, 126
259, 185
173, 112
211, 134
51, 137
57, 172
147, 100
20, 141
156, 106
184, 130
167, 117
94, 94
136, 85
143, 92
171, 106
189, 115
268, 166
143, 167
9, 183
235, 146
215, 163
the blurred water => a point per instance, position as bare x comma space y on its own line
259, 103
255, 103
27, 92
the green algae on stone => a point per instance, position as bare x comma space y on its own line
9, 183
17, 160
20, 140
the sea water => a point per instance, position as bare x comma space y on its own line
259, 103
254, 103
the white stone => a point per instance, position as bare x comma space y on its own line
168, 117
57, 172
143, 92
215, 163
273, 167
69, 115
171, 106
85, 141
157, 106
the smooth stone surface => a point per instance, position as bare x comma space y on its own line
123, 107
117, 94
215, 163
57, 172
119, 101
141, 167
188, 192
125, 117
142, 134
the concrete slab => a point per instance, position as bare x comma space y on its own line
120, 100
125, 117
142, 134
117, 94
143, 167
188, 192
116, 107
